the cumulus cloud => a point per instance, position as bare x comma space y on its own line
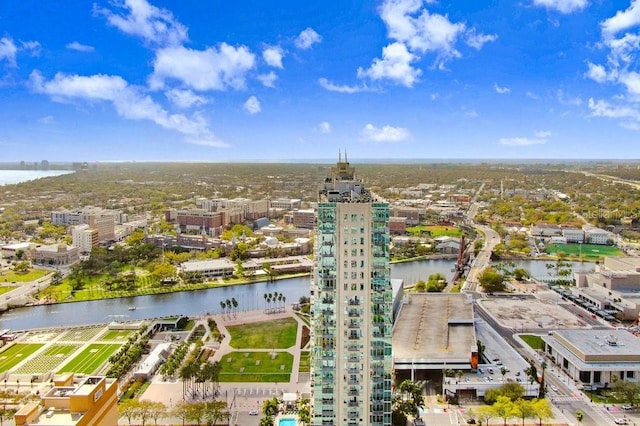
477, 41
395, 65
268, 79
603, 108
307, 38
501, 90
130, 102
623, 20
324, 127
596, 73
371, 133
252, 105
273, 56
32, 46
562, 6
8, 51
184, 98
328, 85
141, 19
75, 45
542, 134
210, 69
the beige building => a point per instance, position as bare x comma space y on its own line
55, 254
84, 238
91, 401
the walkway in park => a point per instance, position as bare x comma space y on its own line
242, 397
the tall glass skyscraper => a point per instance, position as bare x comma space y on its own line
351, 305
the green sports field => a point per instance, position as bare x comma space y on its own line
17, 353
117, 335
587, 250
277, 334
90, 359
256, 367
81, 334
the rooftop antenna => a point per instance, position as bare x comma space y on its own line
339, 156
345, 156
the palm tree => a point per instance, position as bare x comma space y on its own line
223, 305
280, 300
284, 299
234, 302
265, 302
228, 304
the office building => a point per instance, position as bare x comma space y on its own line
351, 305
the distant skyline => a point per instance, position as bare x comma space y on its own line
123, 80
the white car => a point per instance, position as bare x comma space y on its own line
253, 412
621, 421
554, 388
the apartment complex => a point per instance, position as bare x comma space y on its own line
352, 305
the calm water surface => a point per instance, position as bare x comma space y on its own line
9, 177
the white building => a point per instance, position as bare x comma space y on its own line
84, 238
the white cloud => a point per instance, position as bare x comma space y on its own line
532, 95
325, 127
522, 141
48, 119
75, 45
631, 80
154, 25
32, 46
395, 65
563, 6
252, 105
408, 22
184, 98
596, 73
371, 133
8, 51
604, 109
130, 102
307, 38
564, 99
328, 85
622, 20
542, 134
273, 56
501, 90
471, 113
210, 69
477, 41
269, 79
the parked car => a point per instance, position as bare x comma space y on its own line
253, 412
627, 407
621, 421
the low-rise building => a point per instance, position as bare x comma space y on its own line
595, 358
92, 401
55, 254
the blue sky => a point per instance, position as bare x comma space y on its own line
244, 80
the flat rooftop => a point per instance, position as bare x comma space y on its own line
597, 342
434, 329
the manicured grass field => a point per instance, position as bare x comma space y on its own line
305, 362
534, 341
49, 360
588, 250
434, 231
32, 275
277, 334
119, 335
81, 334
17, 353
7, 288
90, 359
256, 367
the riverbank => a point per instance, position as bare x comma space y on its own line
87, 295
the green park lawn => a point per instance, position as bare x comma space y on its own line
256, 367
119, 335
534, 341
277, 334
90, 359
83, 334
587, 250
434, 230
305, 362
17, 353
7, 288
32, 275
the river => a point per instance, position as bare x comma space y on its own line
190, 303
8, 177
199, 302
